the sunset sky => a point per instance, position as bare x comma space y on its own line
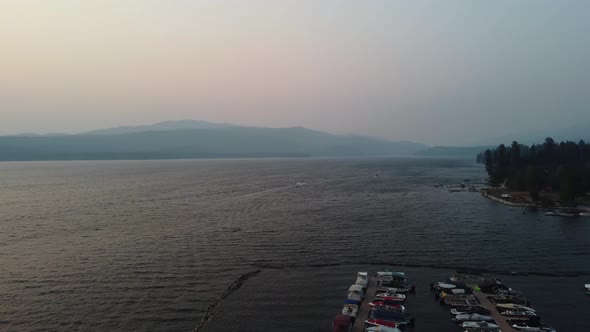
436, 72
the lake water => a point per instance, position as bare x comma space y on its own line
149, 245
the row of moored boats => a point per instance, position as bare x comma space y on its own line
387, 310
472, 316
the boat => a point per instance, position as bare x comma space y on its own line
389, 303
444, 286
380, 322
356, 293
531, 327
480, 329
480, 325
391, 296
587, 286
476, 309
342, 323
397, 280
362, 279
519, 313
551, 214
503, 299
513, 306
381, 328
390, 314
472, 317
350, 309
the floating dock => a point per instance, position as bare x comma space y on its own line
500, 320
365, 309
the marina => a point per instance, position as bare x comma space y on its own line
476, 303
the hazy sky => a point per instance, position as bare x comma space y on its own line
438, 72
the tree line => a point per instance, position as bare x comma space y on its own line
563, 167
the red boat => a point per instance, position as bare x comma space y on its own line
342, 323
395, 304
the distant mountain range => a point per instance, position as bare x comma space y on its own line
162, 126
196, 139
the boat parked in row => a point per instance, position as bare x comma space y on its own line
476, 305
480, 325
356, 293
342, 323
513, 306
395, 281
381, 328
391, 296
472, 317
530, 326
518, 313
476, 309
362, 279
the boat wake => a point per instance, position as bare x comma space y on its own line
234, 286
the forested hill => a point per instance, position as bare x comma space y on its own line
548, 166
451, 151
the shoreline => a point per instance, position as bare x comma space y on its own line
485, 192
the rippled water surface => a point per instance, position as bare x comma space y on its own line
149, 245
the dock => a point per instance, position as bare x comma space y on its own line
500, 320
363, 315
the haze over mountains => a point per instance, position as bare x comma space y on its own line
196, 139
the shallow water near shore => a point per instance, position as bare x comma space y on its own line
149, 245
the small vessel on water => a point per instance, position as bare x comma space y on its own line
387, 303
362, 279
480, 325
394, 280
587, 288
381, 328
513, 306
518, 313
356, 293
530, 326
390, 314
472, 317
350, 309
342, 323
391, 296
476, 309
380, 322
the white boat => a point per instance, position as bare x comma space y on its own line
512, 306
523, 326
479, 325
442, 285
362, 279
351, 310
391, 296
356, 293
381, 328
472, 317
519, 313
587, 286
